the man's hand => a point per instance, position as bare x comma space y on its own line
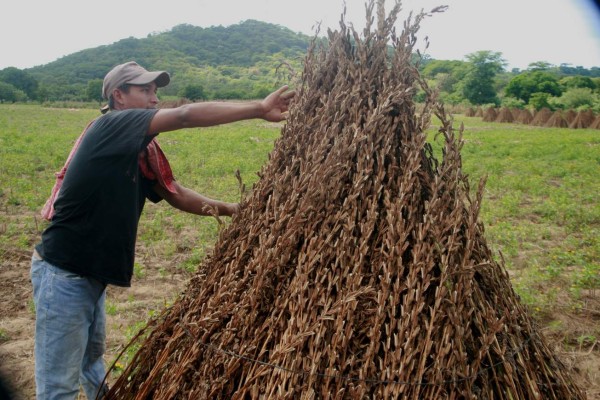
233, 208
277, 103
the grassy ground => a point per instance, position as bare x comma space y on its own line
540, 211
541, 208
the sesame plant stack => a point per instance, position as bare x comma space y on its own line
357, 267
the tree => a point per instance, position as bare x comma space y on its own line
597, 84
447, 77
567, 69
571, 82
577, 98
539, 66
479, 82
260, 92
435, 67
20, 80
42, 93
94, 90
511, 102
524, 85
193, 92
9, 93
539, 100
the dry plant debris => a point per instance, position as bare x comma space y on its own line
544, 117
505, 115
490, 114
357, 267
524, 116
583, 119
557, 120
541, 117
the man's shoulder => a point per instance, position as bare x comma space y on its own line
128, 113
125, 118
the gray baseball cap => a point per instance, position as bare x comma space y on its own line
133, 74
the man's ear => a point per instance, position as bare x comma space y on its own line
118, 97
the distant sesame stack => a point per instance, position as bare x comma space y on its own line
583, 119
541, 117
524, 116
505, 115
490, 114
557, 120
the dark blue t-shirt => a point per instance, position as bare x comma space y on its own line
94, 228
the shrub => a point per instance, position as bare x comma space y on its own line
577, 98
540, 100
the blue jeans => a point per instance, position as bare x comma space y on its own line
70, 333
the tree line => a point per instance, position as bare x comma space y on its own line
249, 59
483, 80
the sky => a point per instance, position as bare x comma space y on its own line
37, 32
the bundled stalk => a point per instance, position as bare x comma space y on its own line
541, 117
505, 115
583, 119
357, 267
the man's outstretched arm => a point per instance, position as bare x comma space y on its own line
272, 108
188, 200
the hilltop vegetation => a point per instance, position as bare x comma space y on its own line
249, 59
238, 61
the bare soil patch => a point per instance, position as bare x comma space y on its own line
127, 308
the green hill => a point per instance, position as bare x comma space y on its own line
238, 61
250, 59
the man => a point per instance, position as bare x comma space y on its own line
90, 241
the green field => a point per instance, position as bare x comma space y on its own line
540, 209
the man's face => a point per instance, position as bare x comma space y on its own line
139, 96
